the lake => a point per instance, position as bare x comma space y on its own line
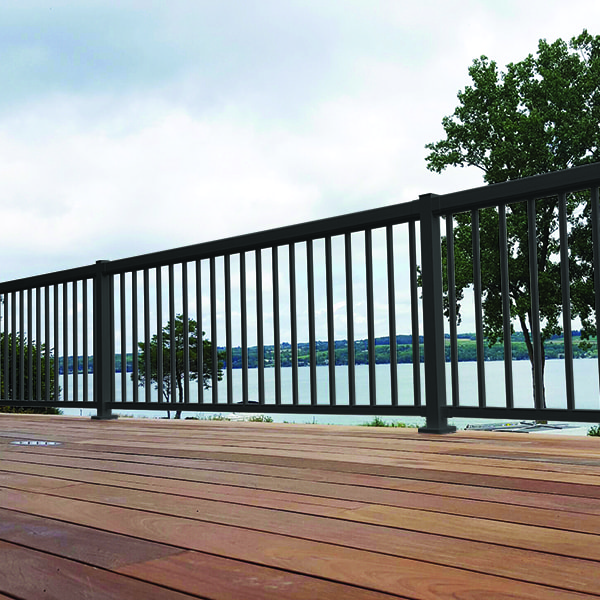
585, 370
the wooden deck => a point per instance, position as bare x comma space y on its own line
148, 509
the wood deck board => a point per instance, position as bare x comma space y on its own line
331, 502
290, 479
241, 510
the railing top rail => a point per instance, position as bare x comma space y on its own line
332, 226
56, 277
537, 186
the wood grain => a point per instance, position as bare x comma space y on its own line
145, 509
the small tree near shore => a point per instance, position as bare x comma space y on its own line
167, 386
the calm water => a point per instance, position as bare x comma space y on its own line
586, 389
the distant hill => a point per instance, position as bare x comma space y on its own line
467, 351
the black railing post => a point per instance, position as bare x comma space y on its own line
433, 320
103, 375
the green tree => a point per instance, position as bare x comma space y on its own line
542, 114
10, 387
167, 385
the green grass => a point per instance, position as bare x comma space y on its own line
595, 430
379, 422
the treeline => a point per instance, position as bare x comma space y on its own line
467, 351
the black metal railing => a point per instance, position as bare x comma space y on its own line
286, 285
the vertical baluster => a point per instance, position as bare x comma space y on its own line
159, 337
2, 373
38, 338
330, 320
186, 334
293, 323
200, 332
596, 257
228, 341
123, 319
147, 340
4, 352
259, 328
134, 338
370, 316
414, 314
30, 342
506, 319
479, 339
172, 338
276, 324
8, 359
65, 348
213, 330
75, 344
48, 345
84, 301
538, 373
244, 326
13, 351
23, 341
452, 308
56, 347
389, 238
350, 320
111, 312
566, 299
310, 278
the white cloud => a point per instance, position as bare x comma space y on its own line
196, 121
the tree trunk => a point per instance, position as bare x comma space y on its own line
180, 389
529, 345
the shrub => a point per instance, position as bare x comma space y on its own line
260, 419
379, 422
45, 410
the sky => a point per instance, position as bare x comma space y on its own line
130, 127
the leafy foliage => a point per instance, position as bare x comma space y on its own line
594, 431
542, 114
167, 385
16, 350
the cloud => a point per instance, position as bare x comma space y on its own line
130, 127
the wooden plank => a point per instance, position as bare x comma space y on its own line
365, 488
332, 502
189, 572
536, 567
226, 579
359, 507
567, 543
461, 443
409, 461
502, 479
97, 548
370, 570
533, 465
28, 574
396, 448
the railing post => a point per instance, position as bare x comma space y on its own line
103, 375
433, 320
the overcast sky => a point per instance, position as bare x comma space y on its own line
128, 127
